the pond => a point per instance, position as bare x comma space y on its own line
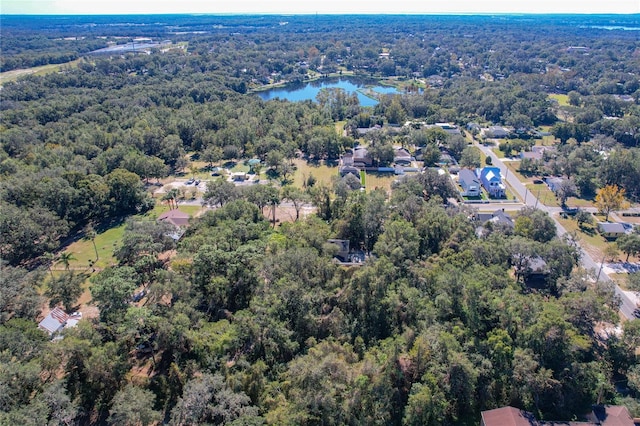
309, 90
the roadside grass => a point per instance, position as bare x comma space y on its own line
498, 153
544, 195
563, 100
590, 240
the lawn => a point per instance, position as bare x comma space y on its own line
591, 241
563, 100
323, 173
108, 240
380, 180
544, 195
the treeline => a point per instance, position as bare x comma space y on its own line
253, 325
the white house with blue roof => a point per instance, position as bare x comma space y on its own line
491, 179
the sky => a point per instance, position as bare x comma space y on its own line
96, 7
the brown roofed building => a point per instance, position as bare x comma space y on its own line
176, 218
602, 415
507, 416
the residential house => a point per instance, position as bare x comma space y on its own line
176, 218
498, 217
554, 183
536, 153
343, 249
610, 230
507, 416
491, 221
449, 128
179, 220
601, 415
345, 170
54, 322
402, 157
347, 159
361, 158
496, 132
473, 127
469, 182
492, 181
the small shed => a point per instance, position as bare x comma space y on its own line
54, 322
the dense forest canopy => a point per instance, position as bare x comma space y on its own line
246, 323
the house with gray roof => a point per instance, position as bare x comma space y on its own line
471, 185
610, 230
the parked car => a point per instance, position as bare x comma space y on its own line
197, 182
190, 181
138, 296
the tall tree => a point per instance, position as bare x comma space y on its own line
610, 198
65, 289
133, 406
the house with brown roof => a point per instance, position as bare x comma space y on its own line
176, 218
601, 415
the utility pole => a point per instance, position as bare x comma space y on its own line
600, 270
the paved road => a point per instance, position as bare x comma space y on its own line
627, 306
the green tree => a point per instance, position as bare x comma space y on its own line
90, 234
399, 242
112, 290
296, 197
535, 224
65, 289
208, 399
133, 406
65, 258
629, 244
470, 157
219, 192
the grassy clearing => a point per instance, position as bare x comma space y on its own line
323, 173
563, 100
13, 75
107, 241
380, 180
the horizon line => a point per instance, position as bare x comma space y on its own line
324, 13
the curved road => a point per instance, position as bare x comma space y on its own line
627, 306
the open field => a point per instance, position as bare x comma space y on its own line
323, 173
107, 241
380, 180
13, 75
563, 100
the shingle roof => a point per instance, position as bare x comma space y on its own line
175, 217
609, 227
507, 416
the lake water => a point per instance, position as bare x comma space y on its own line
309, 90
